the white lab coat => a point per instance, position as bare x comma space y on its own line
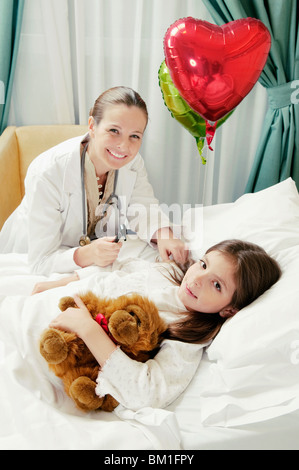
48, 223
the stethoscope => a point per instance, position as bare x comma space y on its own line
113, 200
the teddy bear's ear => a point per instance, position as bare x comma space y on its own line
66, 302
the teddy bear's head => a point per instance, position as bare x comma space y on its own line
134, 323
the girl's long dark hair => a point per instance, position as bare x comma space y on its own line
255, 273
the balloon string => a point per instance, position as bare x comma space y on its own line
203, 151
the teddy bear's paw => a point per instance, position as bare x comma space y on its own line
109, 403
82, 391
53, 346
124, 327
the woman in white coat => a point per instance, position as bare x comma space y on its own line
62, 222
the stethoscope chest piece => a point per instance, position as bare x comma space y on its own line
84, 240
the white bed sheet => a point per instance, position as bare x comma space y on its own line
224, 405
281, 432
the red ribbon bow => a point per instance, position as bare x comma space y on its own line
102, 321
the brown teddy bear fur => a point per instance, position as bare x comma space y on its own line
133, 323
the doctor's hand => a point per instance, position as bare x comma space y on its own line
169, 246
101, 252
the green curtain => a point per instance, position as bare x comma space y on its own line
11, 13
277, 155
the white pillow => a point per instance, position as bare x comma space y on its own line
269, 218
254, 361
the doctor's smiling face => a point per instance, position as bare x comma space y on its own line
116, 140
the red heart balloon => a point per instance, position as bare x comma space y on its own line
215, 67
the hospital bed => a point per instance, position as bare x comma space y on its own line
245, 393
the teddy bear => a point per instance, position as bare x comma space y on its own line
132, 321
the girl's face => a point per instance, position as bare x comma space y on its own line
116, 140
208, 285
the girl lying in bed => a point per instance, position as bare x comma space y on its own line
195, 303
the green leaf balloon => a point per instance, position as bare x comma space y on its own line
181, 111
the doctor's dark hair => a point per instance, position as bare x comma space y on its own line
114, 96
255, 272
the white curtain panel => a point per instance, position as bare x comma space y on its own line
73, 50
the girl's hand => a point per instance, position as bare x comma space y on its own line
76, 320
169, 246
79, 321
101, 252
42, 286
173, 247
